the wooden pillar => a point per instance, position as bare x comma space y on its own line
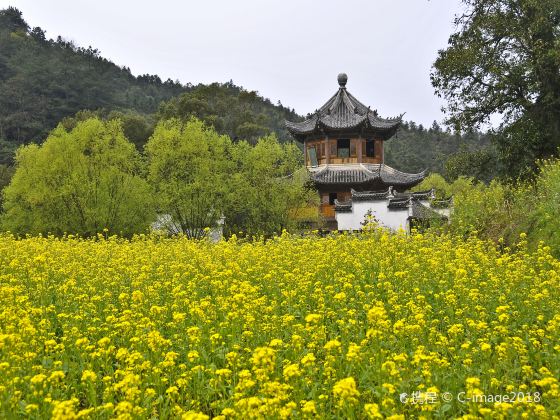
327, 150
360, 147
378, 145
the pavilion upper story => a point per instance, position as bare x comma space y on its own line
343, 130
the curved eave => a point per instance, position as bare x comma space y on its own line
343, 206
397, 178
371, 195
363, 174
326, 125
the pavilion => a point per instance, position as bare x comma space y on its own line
343, 146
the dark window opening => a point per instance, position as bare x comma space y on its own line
370, 148
332, 197
343, 148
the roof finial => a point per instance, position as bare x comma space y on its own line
342, 79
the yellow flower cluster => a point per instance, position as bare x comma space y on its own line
335, 327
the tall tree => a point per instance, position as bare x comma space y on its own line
188, 168
269, 188
81, 182
504, 60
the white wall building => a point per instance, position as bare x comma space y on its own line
390, 209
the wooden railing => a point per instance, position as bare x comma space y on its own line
338, 161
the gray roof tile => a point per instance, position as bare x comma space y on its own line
363, 173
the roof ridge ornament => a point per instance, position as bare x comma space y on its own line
342, 80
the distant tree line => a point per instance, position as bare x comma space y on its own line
415, 148
44, 80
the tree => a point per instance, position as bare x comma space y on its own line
200, 176
136, 127
268, 190
189, 168
81, 182
479, 165
504, 60
12, 20
6, 174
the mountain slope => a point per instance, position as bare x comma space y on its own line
44, 80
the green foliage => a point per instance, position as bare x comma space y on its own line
502, 211
43, 81
79, 182
479, 165
6, 173
136, 127
438, 183
414, 148
12, 20
543, 219
269, 188
231, 110
484, 209
200, 176
504, 60
188, 168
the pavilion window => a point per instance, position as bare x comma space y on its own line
312, 153
370, 148
343, 148
332, 198
353, 149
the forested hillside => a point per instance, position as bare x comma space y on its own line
44, 80
415, 148
232, 110
47, 81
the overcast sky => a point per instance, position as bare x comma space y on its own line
289, 50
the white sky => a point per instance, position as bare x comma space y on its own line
287, 50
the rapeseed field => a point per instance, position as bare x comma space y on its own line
365, 326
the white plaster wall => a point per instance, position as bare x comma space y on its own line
390, 218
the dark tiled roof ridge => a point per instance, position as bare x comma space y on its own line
371, 195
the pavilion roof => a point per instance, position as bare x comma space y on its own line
343, 113
364, 173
